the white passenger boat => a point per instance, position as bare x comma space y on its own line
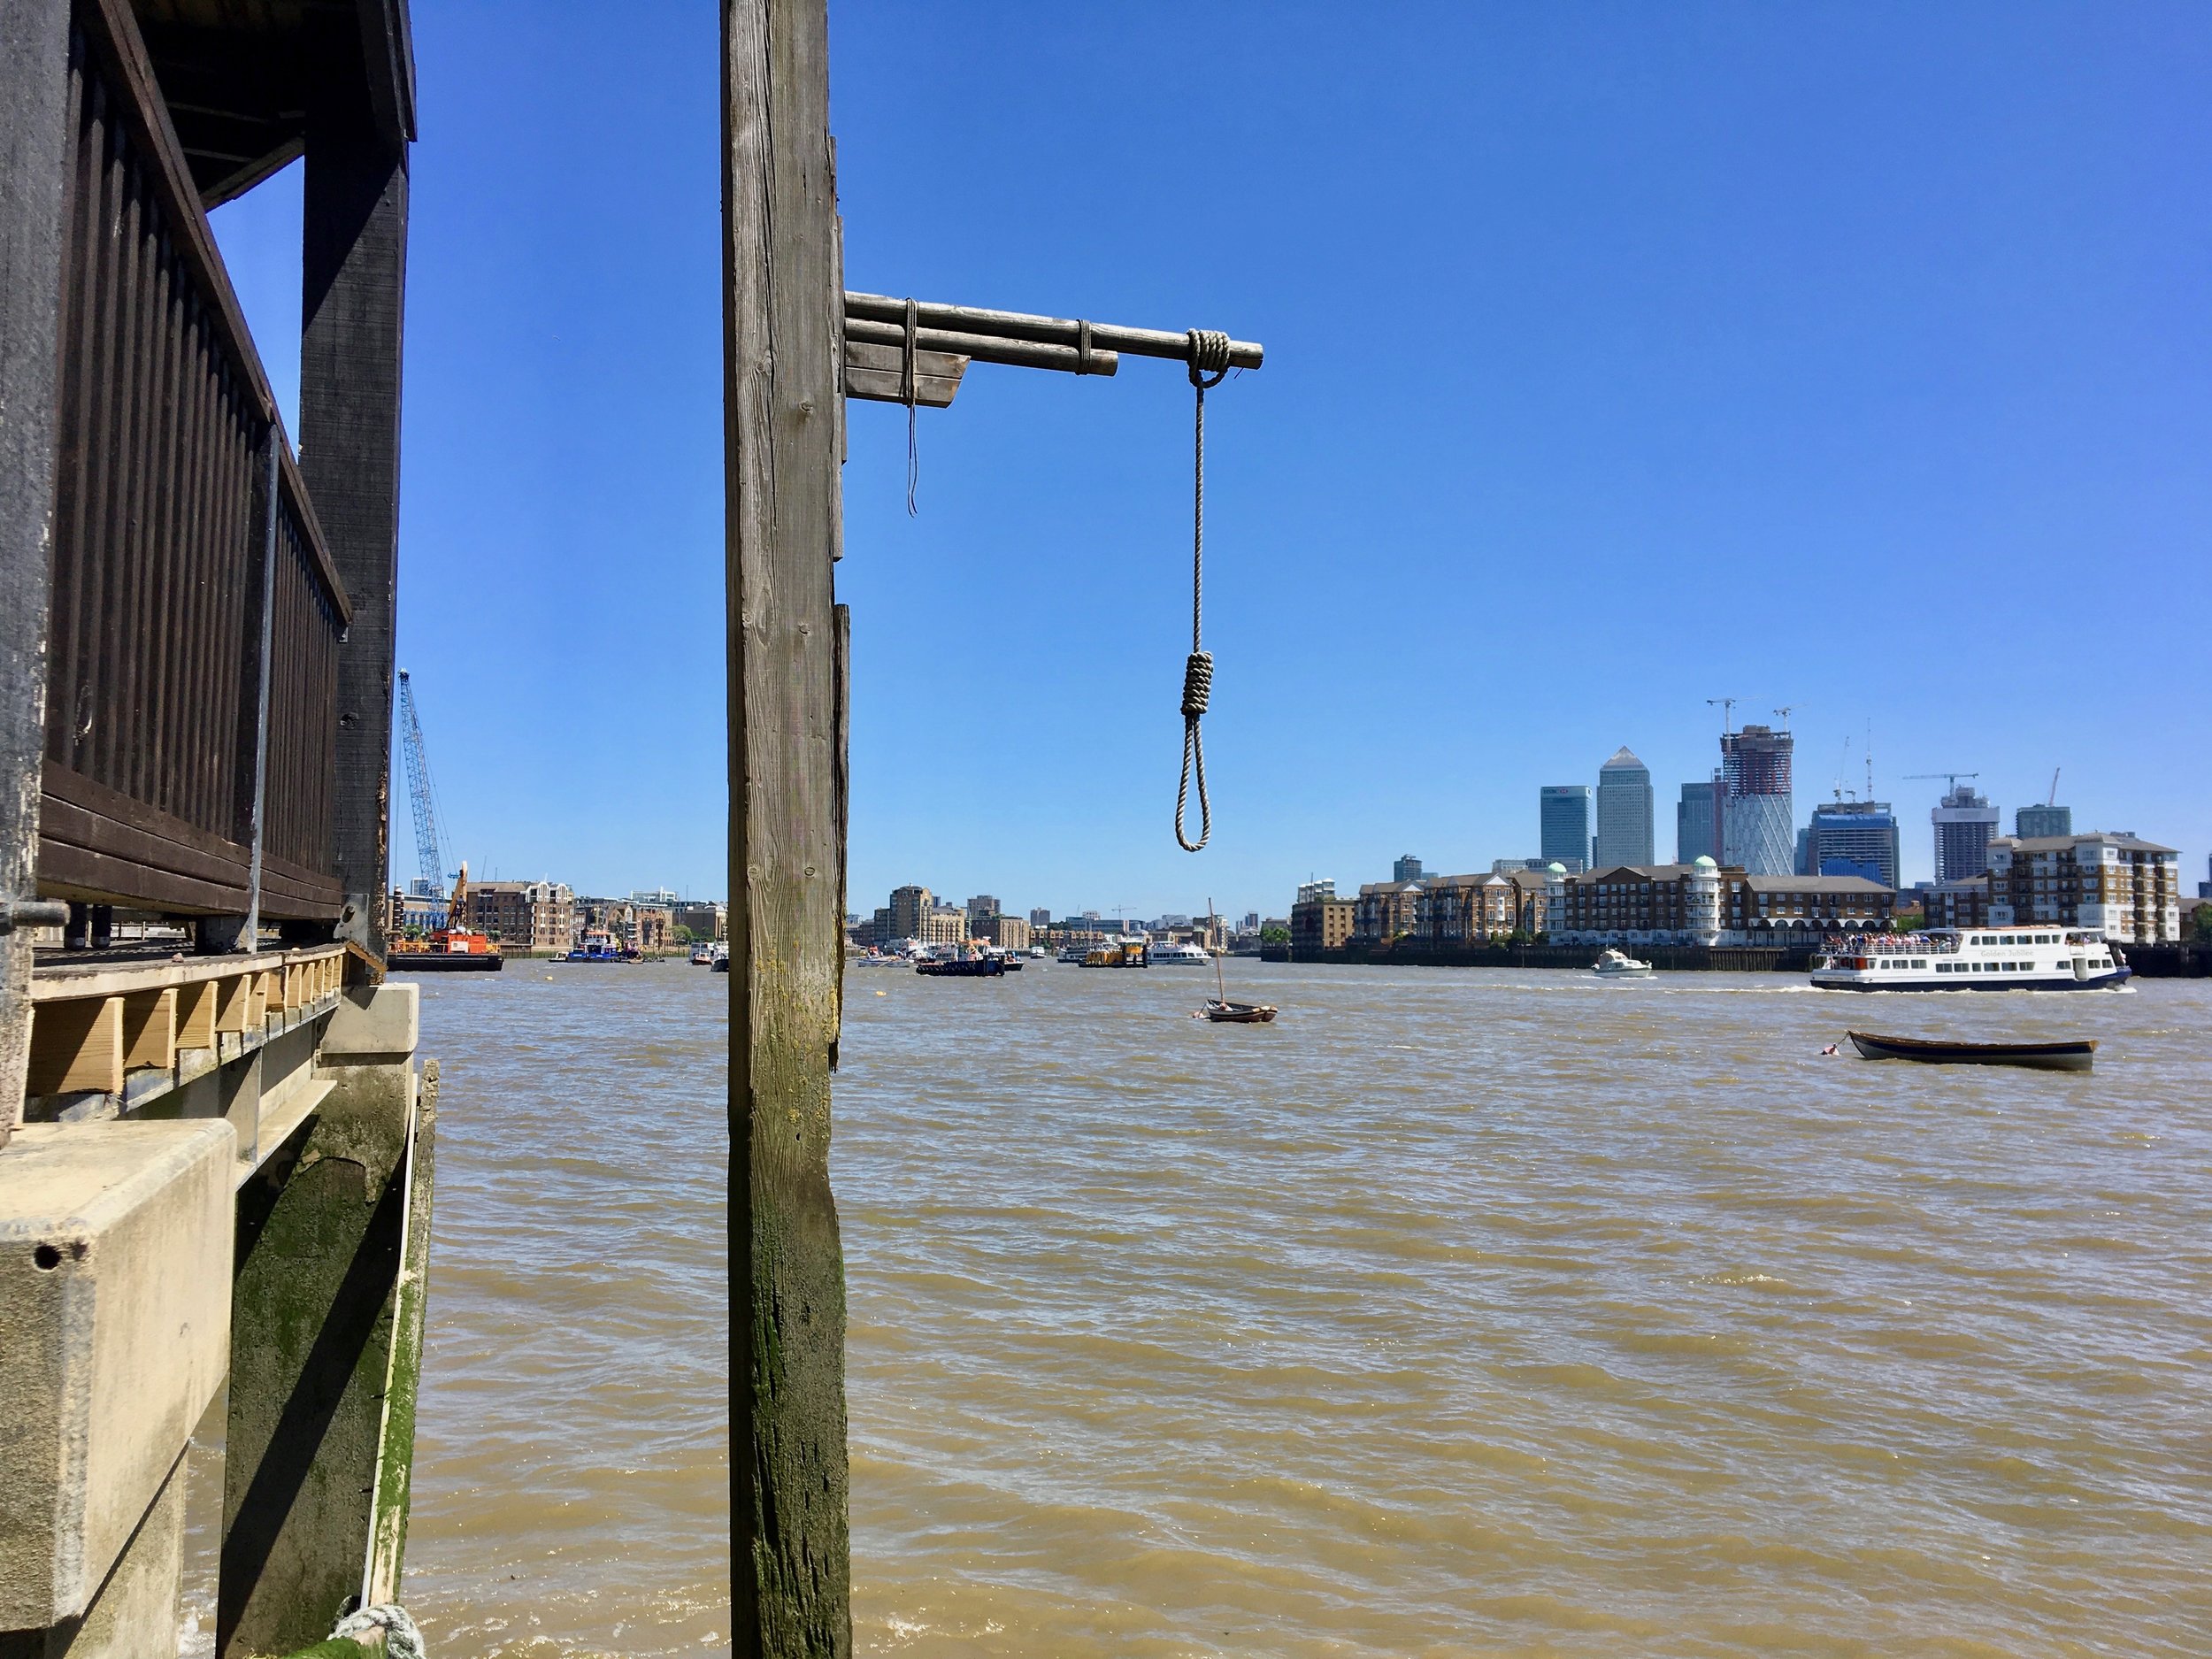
2032, 959
1180, 955
1075, 953
1614, 965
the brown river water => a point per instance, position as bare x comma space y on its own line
1459, 1312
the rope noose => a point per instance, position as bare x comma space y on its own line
909, 388
1208, 366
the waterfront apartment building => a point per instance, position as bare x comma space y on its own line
942, 924
1795, 909
1637, 904
1310, 891
1623, 811
1853, 838
1758, 820
908, 905
1703, 903
1960, 904
523, 915
2127, 888
981, 908
1470, 909
1694, 834
1965, 824
1007, 932
1385, 910
1318, 923
2030, 823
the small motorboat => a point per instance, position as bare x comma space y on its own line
2047, 1057
1614, 965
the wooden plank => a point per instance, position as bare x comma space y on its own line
77, 1046
791, 1567
354, 261
233, 1003
76, 808
74, 873
149, 1029
876, 374
198, 1004
1019, 354
35, 153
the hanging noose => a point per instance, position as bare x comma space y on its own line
1208, 366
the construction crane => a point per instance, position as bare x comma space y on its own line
1783, 714
1727, 707
1950, 778
429, 848
2054, 800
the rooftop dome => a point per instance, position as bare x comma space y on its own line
1703, 861
1554, 870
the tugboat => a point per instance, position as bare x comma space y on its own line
452, 949
1614, 965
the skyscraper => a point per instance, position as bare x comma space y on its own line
2043, 820
1694, 836
1623, 811
1758, 818
1965, 824
1853, 838
1405, 867
1565, 830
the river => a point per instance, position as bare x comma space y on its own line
1458, 1312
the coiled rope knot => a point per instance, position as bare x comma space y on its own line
1209, 358
1198, 683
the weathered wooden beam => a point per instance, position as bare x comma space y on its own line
791, 1570
877, 374
34, 144
1021, 354
353, 273
975, 321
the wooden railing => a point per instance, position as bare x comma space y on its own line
195, 612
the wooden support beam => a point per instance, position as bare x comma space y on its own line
354, 271
975, 321
1020, 354
878, 374
34, 144
791, 1570
197, 1006
76, 1047
149, 1029
233, 1010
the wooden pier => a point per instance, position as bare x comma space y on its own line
214, 1142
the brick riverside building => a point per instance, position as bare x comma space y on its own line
1638, 904
1960, 904
1318, 924
523, 915
2127, 888
1465, 910
1385, 910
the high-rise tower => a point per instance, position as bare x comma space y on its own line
1965, 824
1623, 811
1758, 818
1565, 825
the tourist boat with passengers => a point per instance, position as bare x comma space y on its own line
2045, 957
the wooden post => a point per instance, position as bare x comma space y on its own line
353, 260
790, 1572
34, 144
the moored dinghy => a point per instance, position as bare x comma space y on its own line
2047, 1057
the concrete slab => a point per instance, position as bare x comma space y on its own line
115, 1288
379, 1021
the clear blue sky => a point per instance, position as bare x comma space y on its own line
1856, 357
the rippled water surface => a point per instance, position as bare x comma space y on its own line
1458, 1312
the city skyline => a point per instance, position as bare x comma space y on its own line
1974, 344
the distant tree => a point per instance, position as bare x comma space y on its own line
683, 935
1520, 936
2203, 920
1281, 935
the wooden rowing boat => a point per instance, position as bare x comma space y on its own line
2048, 1056
1238, 1013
